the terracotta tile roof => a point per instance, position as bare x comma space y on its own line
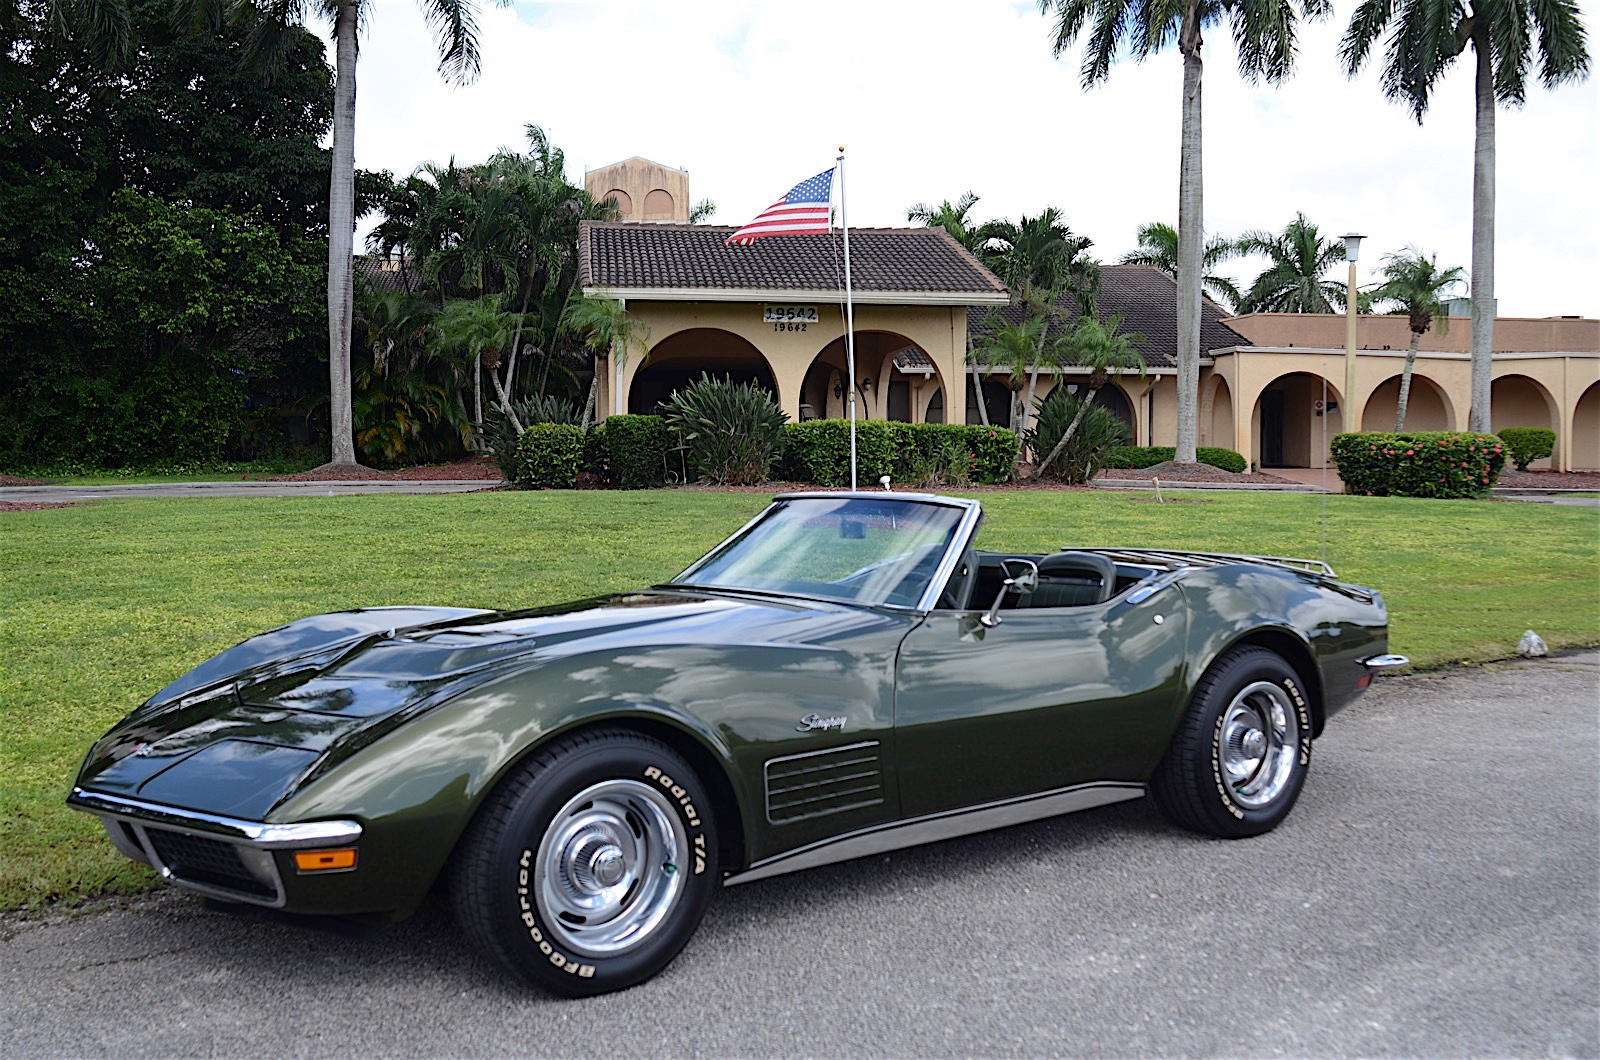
1148, 300
925, 261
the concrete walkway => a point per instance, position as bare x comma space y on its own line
332, 488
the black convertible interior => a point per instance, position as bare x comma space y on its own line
1066, 579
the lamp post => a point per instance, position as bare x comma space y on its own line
1352, 418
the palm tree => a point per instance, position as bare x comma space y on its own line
1264, 38
1099, 348
1158, 246
1040, 258
483, 330
1013, 349
1297, 259
603, 324
1416, 286
1428, 36
953, 219
456, 33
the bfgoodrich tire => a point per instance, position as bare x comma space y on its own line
1239, 758
590, 866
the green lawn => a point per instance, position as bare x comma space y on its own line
102, 604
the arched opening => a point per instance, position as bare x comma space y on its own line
658, 206
1216, 414
623, 200
1586, 431
1520, 401
1427, 406
680, 359
1294, 419
894, 380
996, 402
1111, 397
935, 410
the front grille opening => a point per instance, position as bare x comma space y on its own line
211, 862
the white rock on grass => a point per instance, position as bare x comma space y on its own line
1532, 646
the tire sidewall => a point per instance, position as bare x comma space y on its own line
527, 941
1232, 816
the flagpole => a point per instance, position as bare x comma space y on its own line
849, 320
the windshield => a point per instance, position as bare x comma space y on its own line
856, 550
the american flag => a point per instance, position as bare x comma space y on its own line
802, 212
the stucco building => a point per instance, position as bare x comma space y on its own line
641, 189
773, 313
1270, 384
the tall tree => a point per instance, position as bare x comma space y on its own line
455, 29
1102, 348
1297, 260
1264, 36
1426, 38
1415, 285
955, 219
1040, 258
1158, 247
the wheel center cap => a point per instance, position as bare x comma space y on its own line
607, 866
1254, 743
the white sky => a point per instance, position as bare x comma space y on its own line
933, 98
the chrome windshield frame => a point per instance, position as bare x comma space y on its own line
965, 532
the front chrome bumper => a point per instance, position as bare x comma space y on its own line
222, 857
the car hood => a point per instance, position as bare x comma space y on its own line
241, 731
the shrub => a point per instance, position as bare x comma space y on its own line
1149, 455
994, 453
1098, 435
732, 430
549, 456
931, 455
501, 436
1527, 444
1418, 464
926, 454
628, 452
819, 451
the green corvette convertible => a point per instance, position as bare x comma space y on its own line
846, 674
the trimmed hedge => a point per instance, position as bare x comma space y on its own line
549, 456
910, 453
1444, 464
626, 452
1150, 455
1526, 444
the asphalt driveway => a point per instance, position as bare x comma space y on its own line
1436, 892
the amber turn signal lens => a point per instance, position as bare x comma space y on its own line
325, 860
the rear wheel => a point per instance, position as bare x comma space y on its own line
1239, 758
588, 869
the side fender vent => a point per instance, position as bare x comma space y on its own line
818, 783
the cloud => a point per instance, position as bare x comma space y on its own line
932, 99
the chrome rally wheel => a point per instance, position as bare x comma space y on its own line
1239, 757
590, 864
1258, 742
610, 867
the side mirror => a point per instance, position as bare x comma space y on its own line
1022, 578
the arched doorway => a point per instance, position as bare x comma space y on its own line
1585, 453
1427, 406
680, 359
1293, 420
1520, 401
895, 380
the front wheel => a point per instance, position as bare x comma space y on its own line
1239, 758
588, 869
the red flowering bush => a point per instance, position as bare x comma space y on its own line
1418, 464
